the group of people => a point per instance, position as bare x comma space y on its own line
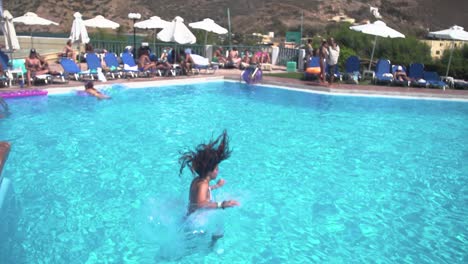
240, 61
148, 61
328, 52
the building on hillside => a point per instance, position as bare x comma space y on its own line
342, 18
439, 46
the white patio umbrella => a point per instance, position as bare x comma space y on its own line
100, 22
78, 33
453, 33
153, 22
11, 40
378, 29
31, 19
177, 32
209, 26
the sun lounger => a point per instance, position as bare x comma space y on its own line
352, 67
416, 74
202, 63
94, 65
131, 68
383, 74
71, 69
433, 80
113, 64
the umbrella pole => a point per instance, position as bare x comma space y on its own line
450, 59
372, 55
154, 41
32, 45
206, 37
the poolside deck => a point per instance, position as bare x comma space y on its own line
337, 88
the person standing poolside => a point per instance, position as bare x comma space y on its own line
323, 54
333, 55
89, 88
309, 50
203, 163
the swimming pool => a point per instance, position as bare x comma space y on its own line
324, 179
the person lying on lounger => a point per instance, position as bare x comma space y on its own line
400, 74
89, 88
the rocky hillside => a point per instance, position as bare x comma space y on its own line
248, 16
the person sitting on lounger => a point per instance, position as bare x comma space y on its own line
144, 62
219, 56
245, 60
68, 51
34, 66
234, 58
89, 88
187, 61
400, 74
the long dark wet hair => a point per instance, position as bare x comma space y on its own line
206, 157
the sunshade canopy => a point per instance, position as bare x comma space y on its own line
209, 25
453, 33
31, 18
152, 23
378, 28
100, 22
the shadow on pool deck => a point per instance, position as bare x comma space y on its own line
234, 74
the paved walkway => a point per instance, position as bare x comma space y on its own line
341, 88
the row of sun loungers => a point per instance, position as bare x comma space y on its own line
417, 76
96, 70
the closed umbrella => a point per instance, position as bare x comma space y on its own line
78, 32
11, 40
177, 32
100, 22
153, 22
31, 19
377, 29
209, 26
453, 33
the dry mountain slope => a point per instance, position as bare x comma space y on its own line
253, 16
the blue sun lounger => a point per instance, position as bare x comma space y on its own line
433, 80
352, 67
416, 74
113, 64
383, 74
94, 63
70, 68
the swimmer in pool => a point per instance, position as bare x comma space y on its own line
89, 88
203, 162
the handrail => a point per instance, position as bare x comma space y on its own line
4, 150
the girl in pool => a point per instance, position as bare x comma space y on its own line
89, 88
203, 163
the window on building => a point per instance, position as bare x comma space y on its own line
438, 52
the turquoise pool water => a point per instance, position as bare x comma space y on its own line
321, 179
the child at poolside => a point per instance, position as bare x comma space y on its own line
203, 163
89, 88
